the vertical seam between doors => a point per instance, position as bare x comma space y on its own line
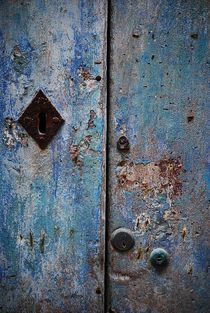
106, 280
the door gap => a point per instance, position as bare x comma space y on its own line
106, 256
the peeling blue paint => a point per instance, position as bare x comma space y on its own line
52, 234
158, 100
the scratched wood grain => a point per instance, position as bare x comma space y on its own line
52, 200
158, 99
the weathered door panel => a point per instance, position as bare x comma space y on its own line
52, 200
158, 189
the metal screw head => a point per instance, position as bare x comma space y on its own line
159, 257
122, 239
56, 120
123, 144
28, 119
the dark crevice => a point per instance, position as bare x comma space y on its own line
106, 279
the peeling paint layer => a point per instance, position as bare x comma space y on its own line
13, 134
154, 177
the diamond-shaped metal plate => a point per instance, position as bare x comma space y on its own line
30, 119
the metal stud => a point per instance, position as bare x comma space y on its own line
159, 257
122, 239
123, 144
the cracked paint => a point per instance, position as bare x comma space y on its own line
13, 134
152, 178
79, 151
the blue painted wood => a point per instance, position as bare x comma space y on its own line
52, 200
158, 93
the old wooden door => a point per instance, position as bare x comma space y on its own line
52, 199
53, 156
158, 176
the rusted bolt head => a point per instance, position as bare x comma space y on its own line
27, 119
56, 120
122, 239
123, 144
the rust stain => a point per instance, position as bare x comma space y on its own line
85, 74
184, 232
140, 253
77, 151
147, 221
170, 171
31, 239
91, 119
42, 242
155, 177
190, 270
143, 222
98, 291
190, 117
74, 151
147, 249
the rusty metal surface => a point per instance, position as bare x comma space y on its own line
30, 120
158, 89
52, 200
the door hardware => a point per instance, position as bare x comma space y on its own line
41, 120
122, 239
159, 257
123, 144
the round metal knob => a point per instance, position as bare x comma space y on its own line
122, 239
123, 144
159, 257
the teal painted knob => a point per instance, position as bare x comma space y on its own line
159, 257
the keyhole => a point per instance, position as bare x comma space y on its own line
124, 245
42, 123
